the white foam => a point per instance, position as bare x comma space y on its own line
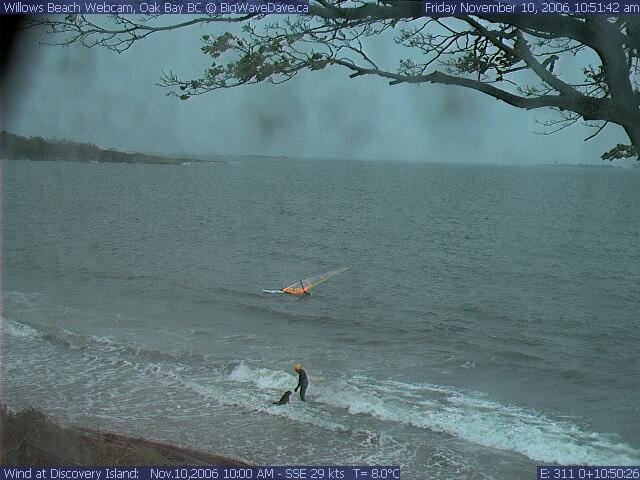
17, 329
262, 401
474, 418
263, 378
101, 339
21, 298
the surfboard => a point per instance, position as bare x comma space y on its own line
271, 291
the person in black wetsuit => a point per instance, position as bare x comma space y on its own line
303, 381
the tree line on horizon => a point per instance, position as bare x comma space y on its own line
17, 147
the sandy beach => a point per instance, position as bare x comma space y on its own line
30, 438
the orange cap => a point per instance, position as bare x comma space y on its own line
297, 366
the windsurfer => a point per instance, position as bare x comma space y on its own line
307, 284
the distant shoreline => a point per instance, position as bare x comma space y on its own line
580, 165
29, 438
17, 147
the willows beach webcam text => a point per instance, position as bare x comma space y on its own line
231, 7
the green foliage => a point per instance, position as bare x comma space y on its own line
621, 151
317, 61
471, 63
220, 44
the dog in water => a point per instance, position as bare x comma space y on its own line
284, 399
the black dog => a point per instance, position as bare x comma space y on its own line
285, 398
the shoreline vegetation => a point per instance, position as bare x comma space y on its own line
30, 438
17, 147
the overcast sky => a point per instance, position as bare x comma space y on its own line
112, 100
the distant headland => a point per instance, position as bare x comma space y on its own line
16, 147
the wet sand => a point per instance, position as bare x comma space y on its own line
30, 438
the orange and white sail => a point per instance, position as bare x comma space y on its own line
302, 287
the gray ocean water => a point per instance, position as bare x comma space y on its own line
488, 321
